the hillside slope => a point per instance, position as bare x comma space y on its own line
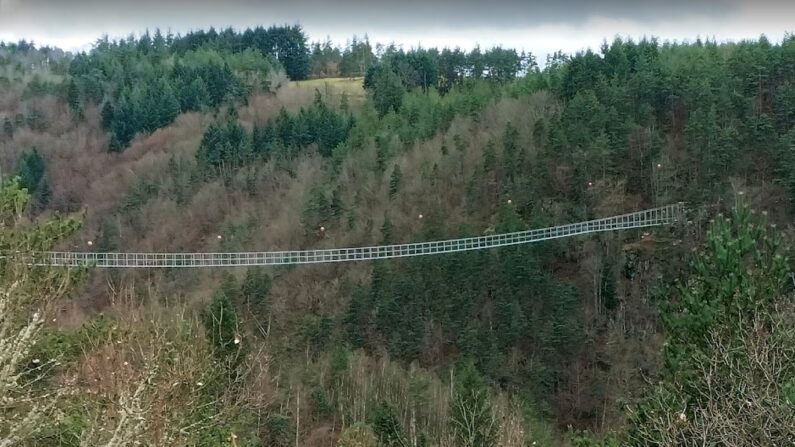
536, 338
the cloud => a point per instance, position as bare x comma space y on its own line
525, 24
6, 6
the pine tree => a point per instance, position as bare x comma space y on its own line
387, 231
356, 319
395, 181
30, 297
224, 148
263, 140
44, 192
358, 435
472, 420
217, 79
30, 170
387, 426
210, 154
387, 90
35, 120
510, 156
475, 63
489, 157
278, 431
114, 145
727, 358
126, 123
107, 115
223, 329
254, 292
337, 206
329, 128
169, 105
8, 128
786, 158
194, 95
74, 100
317, 209
344, 106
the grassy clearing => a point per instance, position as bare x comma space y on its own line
333, 89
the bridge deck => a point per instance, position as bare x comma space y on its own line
665, 215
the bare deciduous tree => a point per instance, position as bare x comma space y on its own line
747, 386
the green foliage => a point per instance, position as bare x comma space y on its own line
387, 91
278, 431
607, 286
489, 157
447, 69
255, 290
42, 236
38, 87
786, 158
193, 95
223, 329
317, 124
411, 302
73, 99
340, 358
471, 418
287, 43
627, 119
150, 86
106, 115
140, 193
141, 109
321, 405
320, 208
387, 426
68, 429
28, 295
224, 148
358, 435
35, 120
723, 316
316, 332
510, 143
357, 317
585, 439
8, 128
736, 279
395, 181
501, 64
30, 170
66, 345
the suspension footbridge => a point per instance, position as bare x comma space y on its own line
666, 215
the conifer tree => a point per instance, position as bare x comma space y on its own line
472, 420
395, 181
8, 128
29, 296
254, 292
194, 95
728, 370
169, 106
106, 115
387, 90
30, 170
74, 100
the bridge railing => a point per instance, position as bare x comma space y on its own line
665, 215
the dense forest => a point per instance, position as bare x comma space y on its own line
258, 140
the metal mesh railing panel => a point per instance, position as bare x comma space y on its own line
665, 215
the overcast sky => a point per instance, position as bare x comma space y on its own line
537, 26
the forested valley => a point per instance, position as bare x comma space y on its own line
228, 141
